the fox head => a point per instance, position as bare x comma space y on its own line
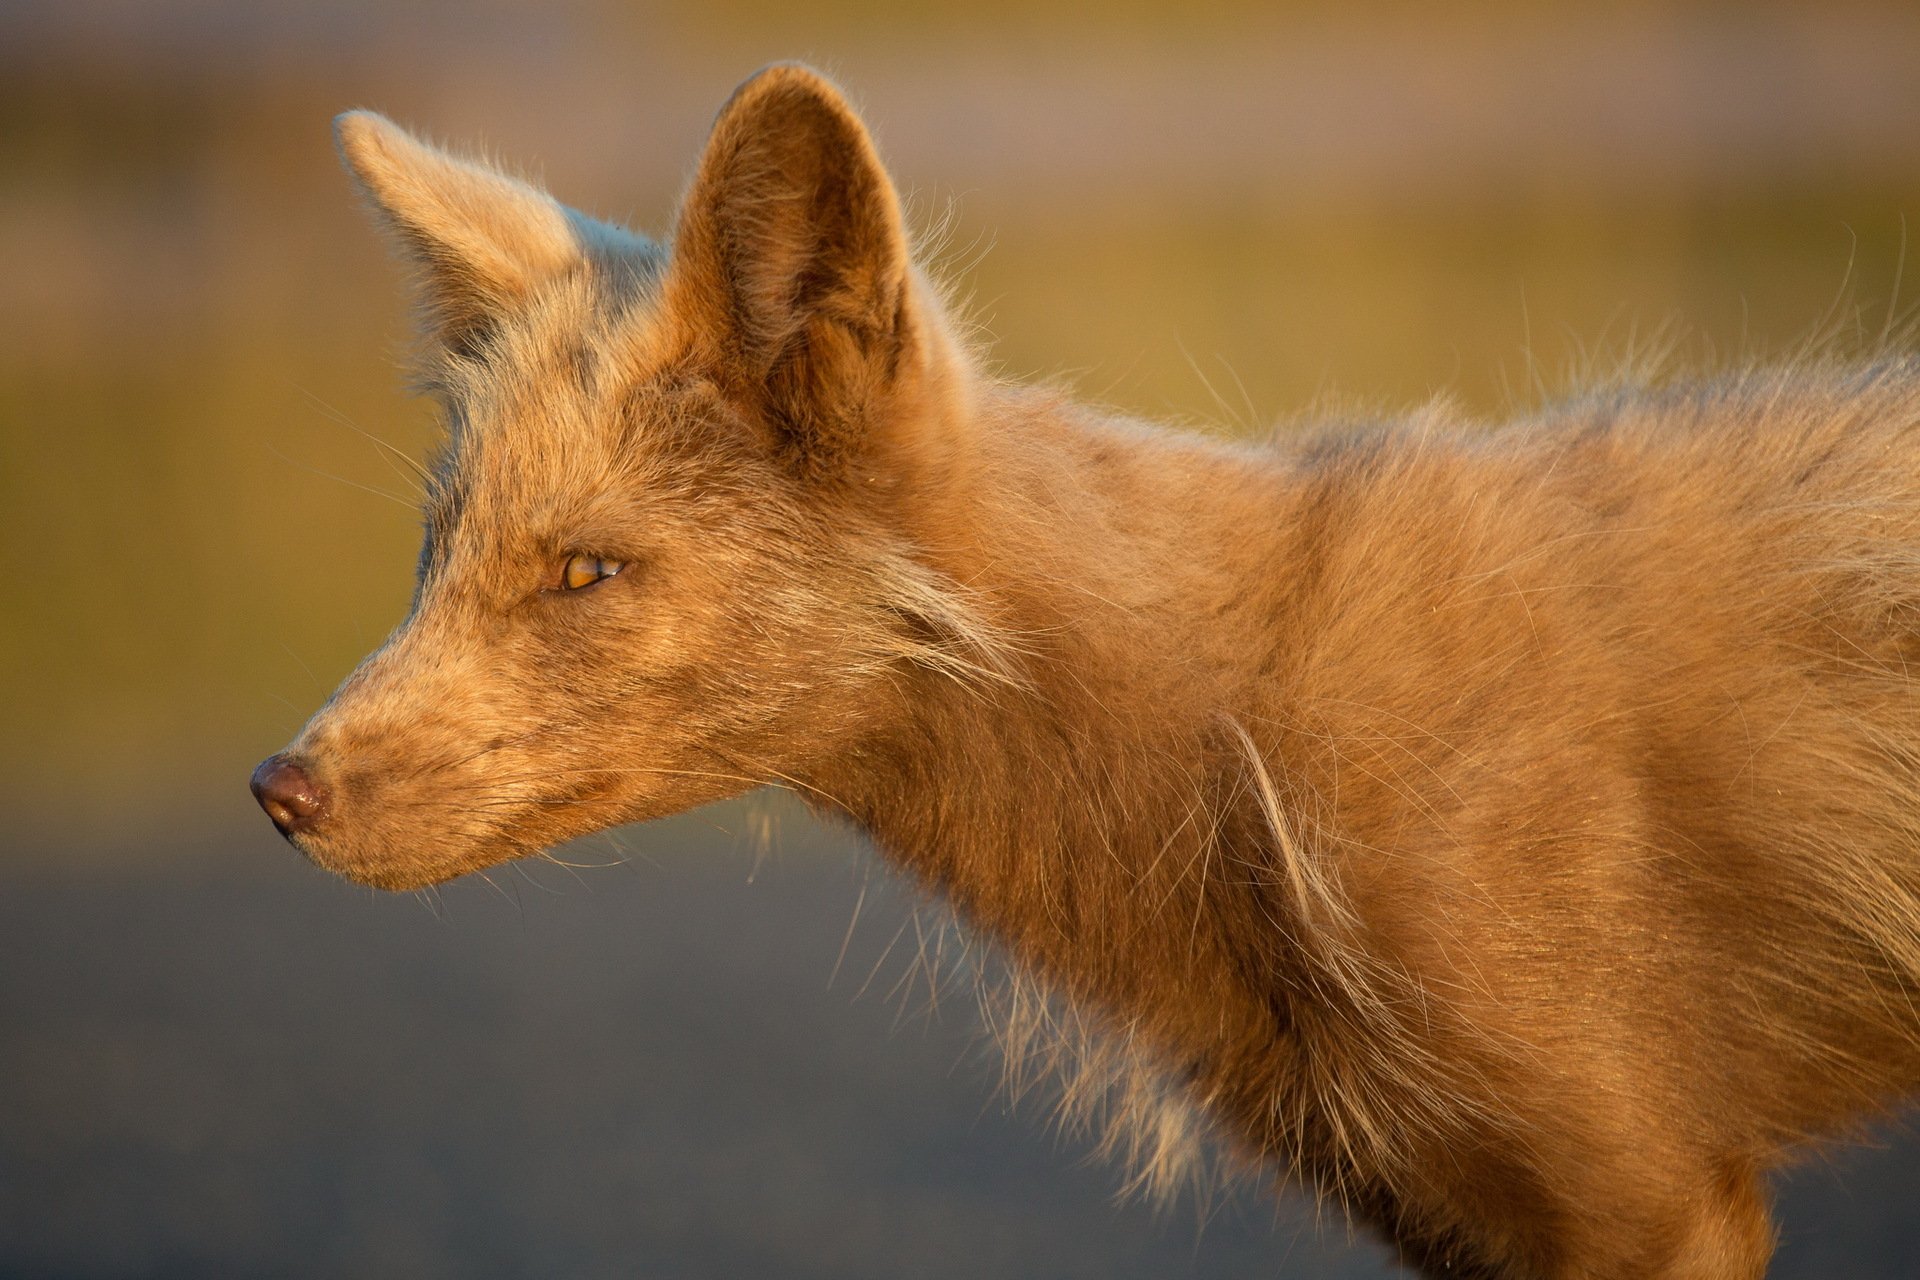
678, 543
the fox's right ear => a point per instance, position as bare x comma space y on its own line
483, 242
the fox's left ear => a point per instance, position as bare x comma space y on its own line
790, 260
483, 242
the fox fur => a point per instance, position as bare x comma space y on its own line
1512, 833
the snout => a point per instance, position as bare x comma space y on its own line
289, 794
347, 817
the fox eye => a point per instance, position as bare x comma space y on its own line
584, 571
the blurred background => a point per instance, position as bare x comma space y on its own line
682, 1060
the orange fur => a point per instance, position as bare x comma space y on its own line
1514, 833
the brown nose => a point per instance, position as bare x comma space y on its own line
292, 799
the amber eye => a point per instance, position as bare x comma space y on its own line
584, 571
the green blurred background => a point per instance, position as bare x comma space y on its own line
1229, 212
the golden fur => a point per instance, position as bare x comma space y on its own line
1513, 833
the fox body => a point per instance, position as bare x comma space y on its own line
1512, 833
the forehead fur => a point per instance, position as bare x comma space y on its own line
581, 414
541, 409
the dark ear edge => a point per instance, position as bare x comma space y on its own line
791, 257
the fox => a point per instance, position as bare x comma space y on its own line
1509, 832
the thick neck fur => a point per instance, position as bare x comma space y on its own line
1114, 723
1103, 816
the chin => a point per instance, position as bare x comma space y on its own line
399, 872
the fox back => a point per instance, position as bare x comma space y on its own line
1511, 832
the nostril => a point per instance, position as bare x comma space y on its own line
291, 798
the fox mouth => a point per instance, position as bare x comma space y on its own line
304, 809
318, 819
423, 866
395, 875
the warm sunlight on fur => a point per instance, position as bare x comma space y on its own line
1513, 833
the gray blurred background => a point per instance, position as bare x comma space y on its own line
679, 1059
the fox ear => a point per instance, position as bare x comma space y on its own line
790, 259
483, 242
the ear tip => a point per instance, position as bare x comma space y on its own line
789, 77
352, 126
362, 135
791, 70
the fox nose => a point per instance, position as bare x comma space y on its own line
291, 798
